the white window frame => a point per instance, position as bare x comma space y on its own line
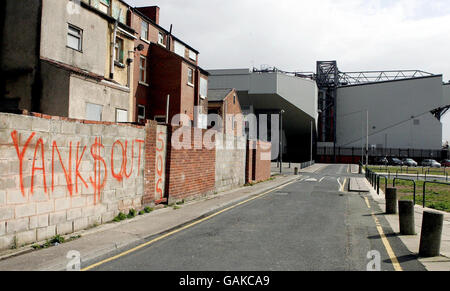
78, 35
141, 117
104, 6
144, 36
161, 39
203, 96
97, 106
121, 110
116, 46
143, 82
180, 49
192, 55
161, 119
188, 81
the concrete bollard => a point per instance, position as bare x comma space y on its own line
391, 201
296, 171
430, 238
406, 213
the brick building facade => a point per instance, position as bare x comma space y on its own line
225, 103
166, 67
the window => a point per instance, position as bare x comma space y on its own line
94, 112
143, 70
180, 49
119, 50
192, 55
121, 115
104, 6
161, 39
203, 88
74, 38
234, 99
161, 119
190, 77
202, 121
144, 30
141, 113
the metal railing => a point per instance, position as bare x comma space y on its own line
426, 172
385, 184
307, 164
410, 180
416, 172
437, 170
375, 179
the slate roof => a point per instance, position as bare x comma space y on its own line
216, 95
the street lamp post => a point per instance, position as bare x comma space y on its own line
367, 139
312, 138
281, 141
362, 135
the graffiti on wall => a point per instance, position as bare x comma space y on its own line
160, 163
122, 164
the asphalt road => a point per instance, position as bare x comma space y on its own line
308, 225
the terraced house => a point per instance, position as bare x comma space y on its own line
168, 78
98, 60
71, 59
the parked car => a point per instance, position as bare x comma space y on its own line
395, 162
381, 161
431, 164
445, 163
409, 163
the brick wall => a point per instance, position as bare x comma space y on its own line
258, 161
150, 154
60, 175
233, 109
190, 172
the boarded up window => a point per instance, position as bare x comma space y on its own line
94, 112
180, 49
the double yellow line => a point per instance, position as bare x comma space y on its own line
387, 245
183, 228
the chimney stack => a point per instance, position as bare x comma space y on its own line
151, 12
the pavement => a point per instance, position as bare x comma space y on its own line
289, 168
413, 242
292, 223
114, 236
358, 185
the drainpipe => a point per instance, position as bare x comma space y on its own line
113, 46
167, 109
168, 37
113, 51
2, 26
129, 62
36, 90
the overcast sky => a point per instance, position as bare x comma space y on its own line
294, 34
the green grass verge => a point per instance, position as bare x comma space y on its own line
411, 170
437, 196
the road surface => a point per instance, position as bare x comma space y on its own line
310, 225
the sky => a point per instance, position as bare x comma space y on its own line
293, 34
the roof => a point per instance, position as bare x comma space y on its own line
218, 94
391, 81
142, 15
